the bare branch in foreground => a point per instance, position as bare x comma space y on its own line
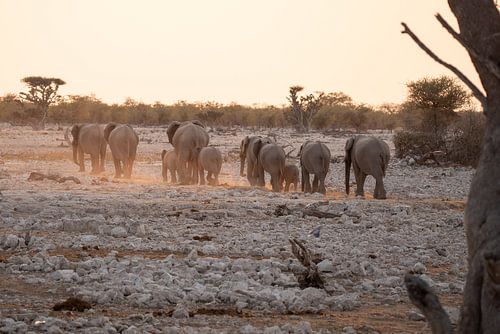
475, 91
422, 296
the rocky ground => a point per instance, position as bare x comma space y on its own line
154, 257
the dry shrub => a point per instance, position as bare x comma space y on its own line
466, 139
415, 143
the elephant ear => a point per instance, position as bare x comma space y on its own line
244, 145
257, 146
75, 130
197, 122
348, 144
171, 130
107, 130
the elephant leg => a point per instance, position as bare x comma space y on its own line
287, 186
94, 158
118, 168
128, 168
216, 179
251, 170
193, 171
102, 155
81, 160
306, 182
321, 187
379, 192
295, 186
202, 175
173, 178
275, 182
182, 169
360, 180
261, 181
315, 184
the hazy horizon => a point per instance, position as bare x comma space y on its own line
225, 50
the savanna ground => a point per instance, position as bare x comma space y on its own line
157, 257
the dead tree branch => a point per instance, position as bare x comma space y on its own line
35, 176
492, 67
422, 296
475, 91
311, 277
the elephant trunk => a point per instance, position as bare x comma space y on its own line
347, 172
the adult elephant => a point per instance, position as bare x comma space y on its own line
369, 156
314, 159
271, 159
123, 142
187, 138
247, 153
89, 139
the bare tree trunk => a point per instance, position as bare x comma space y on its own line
479, 23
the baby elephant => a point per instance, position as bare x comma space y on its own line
210, 160
369, 156
291, 176
169, 163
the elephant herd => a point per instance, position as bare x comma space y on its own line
191, 157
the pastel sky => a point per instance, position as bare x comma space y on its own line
244, 51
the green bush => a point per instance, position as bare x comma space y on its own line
466, 139
414, 143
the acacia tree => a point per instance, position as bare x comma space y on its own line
479, 24
42, 92
303, 108
438, 98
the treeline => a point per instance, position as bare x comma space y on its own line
337, 111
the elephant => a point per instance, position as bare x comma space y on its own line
187, 138
89, 139
247, 153
290, 176
369, 156
314, 159
123, 141
210, 160
270, 158
169, 163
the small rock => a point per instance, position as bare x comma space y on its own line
419, 268
180, 312
415, 316
326, 266
11, 241
119, 232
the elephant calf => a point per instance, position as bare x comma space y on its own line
123, 142
210, 160
369, 156
291, 176
169, 163
314, 159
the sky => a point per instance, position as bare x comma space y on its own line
243, 51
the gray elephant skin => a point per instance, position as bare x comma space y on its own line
169, 163
187, 138
89, 139
314, 159
369, 156
123, 141
247, 153
210, 160
291, 176
270, 159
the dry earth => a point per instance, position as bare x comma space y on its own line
155, 257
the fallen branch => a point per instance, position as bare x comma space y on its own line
422, 296
35, 176
311, 278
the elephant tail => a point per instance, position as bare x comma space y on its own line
347, 161
163, 154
